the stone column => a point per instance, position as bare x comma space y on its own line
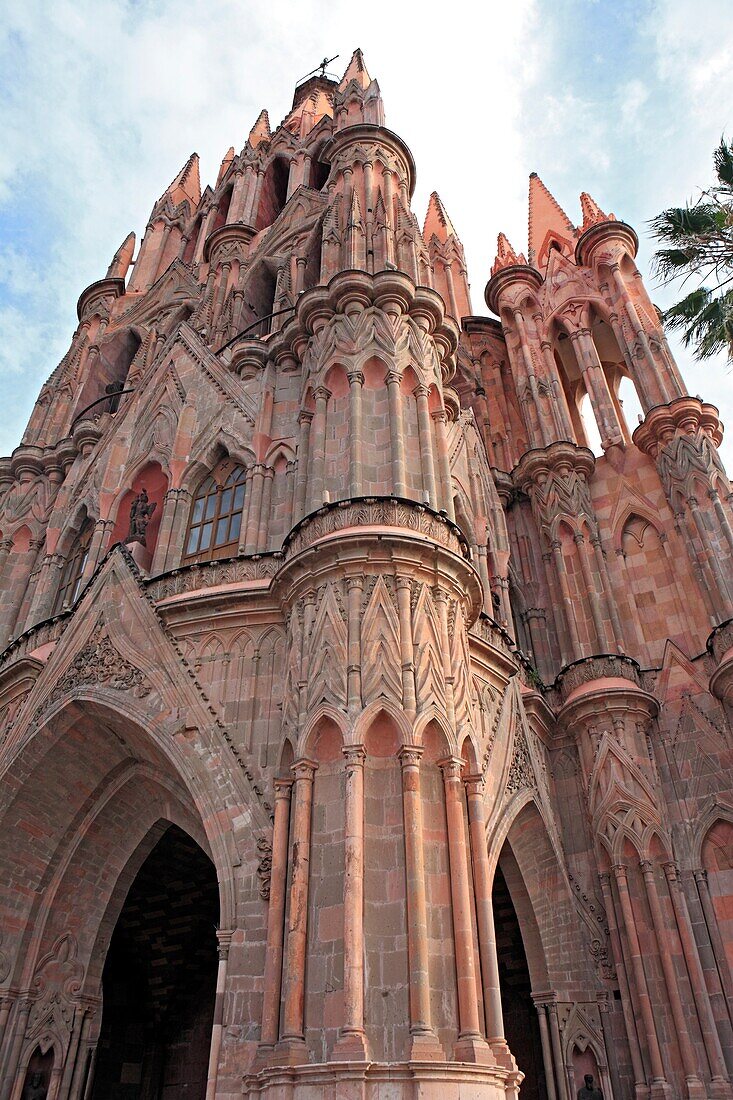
301, 477
588, 580
404, 592
352, 1044
20, 1024
255, 506
716, 940
546, 1050
396, 433
445, 495
224, 938
82, 1058
276, 917
424, 1043
485, 923
660, 1085
317, 485
562, 1088
568, 603
356, 382
264, 524
471, 1046
292, 1043
425, 435
355, 587
640, 1087
714, 1051
695, 1086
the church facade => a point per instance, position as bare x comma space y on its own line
363, 732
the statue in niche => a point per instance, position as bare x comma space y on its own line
589, 1090
35, 1088
141, 512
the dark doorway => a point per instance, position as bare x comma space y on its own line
521, 1028
159, 979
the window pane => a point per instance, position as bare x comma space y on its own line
210, 506
226, 502
221, 531
206, 536
238, 498
198, 510
235, 526
193, 539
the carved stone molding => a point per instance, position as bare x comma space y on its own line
588, 669
264, 866
100, 663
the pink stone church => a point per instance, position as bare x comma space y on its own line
366, 678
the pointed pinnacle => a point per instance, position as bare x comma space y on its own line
260, 131
122, 258
356, 70
437, 223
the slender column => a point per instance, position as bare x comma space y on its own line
446, 487
710, 1037
423, 1040
485, 922
352, 1044
396, 433
722, 517
575, 646
694, 1084
440, 600
167, 526
82, 1057
660, 1085
224, 938
293, 1039
72, 1052
425, 435
716, 940
317, 484
264, 524
652, 376
18, 1031
539, 419
6, 1003
562, 1088
165, 234
597, 387
607, 588
301, 476
640, 1087
592, 594
356, 382
708, 556
558, 608
546, 1050
404, 590
355, 587
255, 507
471, 1046
276, 916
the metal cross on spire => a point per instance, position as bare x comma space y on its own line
320, 69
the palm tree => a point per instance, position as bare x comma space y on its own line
700, 240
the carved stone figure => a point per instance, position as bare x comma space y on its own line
141, 512
35, 1089
589, 1091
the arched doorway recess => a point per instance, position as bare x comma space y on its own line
159, 979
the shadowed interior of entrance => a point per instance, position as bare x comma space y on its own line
520, 1016
159, 979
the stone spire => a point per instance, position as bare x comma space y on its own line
260, 131
187, 185
547, 219
122, 258
356, 70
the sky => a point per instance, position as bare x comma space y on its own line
102, 101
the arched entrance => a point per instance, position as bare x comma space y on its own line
521, 1027
159, 979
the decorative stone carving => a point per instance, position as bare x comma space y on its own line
100, 663
588, 669
264, 866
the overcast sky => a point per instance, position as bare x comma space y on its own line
103, 101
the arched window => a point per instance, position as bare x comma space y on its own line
70, 586
216, 514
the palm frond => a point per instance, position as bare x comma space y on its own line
723, 161
705, 319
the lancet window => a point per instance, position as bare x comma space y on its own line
70, 586
215, 524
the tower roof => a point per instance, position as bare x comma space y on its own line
437, 222
356, 70
260, 131
122, 258
186, 185
546, 216
226, 161
592, 212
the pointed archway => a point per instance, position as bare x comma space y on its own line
159, 978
